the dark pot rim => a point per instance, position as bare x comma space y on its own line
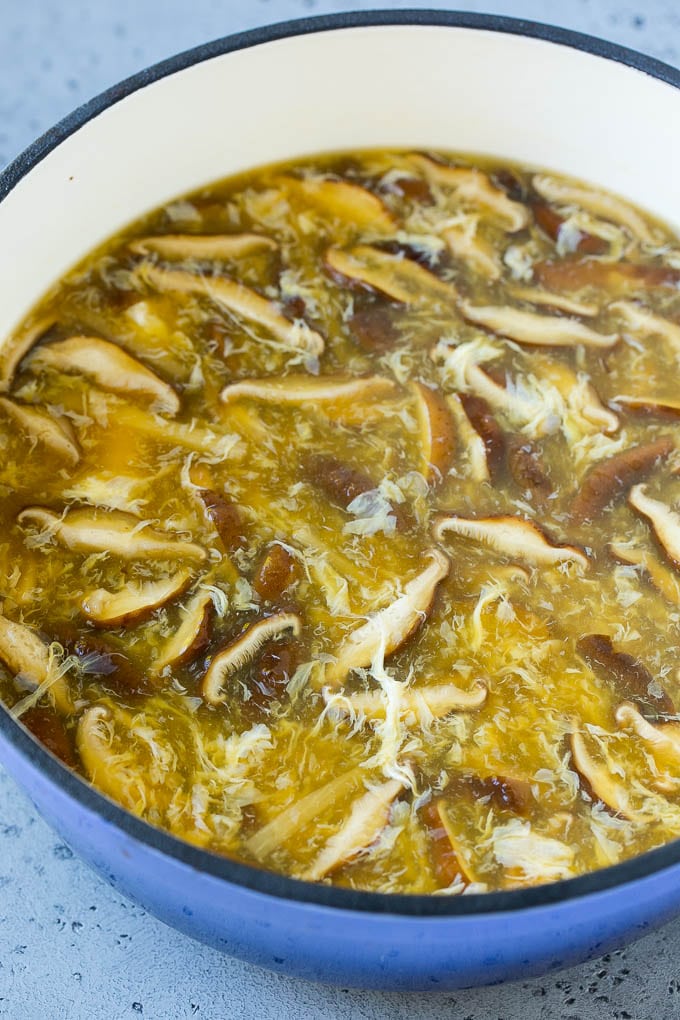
253, 878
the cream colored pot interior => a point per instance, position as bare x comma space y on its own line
452, 88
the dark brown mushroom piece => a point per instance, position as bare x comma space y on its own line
226, 518
631, 680
276, 571
372, 327
50, 729
271, 672
490, 432
550, 221
618, 278
528, 470
611, 478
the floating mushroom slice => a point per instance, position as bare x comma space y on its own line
475, 187
522, 404
649, 405
642, 321
437, 431
604, 784
537, 296
192, 634
243, 649
513, 537
663, 738
663, 579
533, 329
303, 812
401, 279
470, 440
465, 244
25, 654
367, 819
391, 627
312, 390
599, 203
479, 415
551, 224
528, 471
107, 366
15, 347
115, 532
236, 298
105, 767
609, 479
129, 605
628, 675
664, 521
422, 703
56, 434
344, 201
205, 247
613, 277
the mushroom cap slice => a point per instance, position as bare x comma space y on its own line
650, 405
302, 389
534, 329
437, 430
464, 244
392, 626
203, 246
423, 703
647, 323
401, 279
103, 765
108, 366
601, 781
26, 654
474, 186
600, 203
237, 298
663, 738
609, 478
511, 536
366, 820
243, 649
538, 296
664, 521
39, 425
470, 440
191, 636
114, 609
15, 347
114, 531
344, 201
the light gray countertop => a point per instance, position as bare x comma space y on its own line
70, 947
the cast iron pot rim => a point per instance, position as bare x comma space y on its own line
231, 871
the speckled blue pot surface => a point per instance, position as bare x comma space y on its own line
318, 932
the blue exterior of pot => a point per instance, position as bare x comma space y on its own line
319, 932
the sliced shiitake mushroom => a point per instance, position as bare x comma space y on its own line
55, 434
15, 346
538, 296
470, 440
465, 244
25, 654
436, 429
368, 817
534, 329
192, 634
343, 200
133, 603
432, 701
236, 298
474, 187
401, 279
204, 247
391, 627
276, 571
662, 738
664, 406
628, 675
663, 579
600, 203
606, 786
664, 521
303, 389
612, 477
108, 366
614, 277
242, 650
511, 536
116, 532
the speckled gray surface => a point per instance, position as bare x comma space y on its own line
70, 947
